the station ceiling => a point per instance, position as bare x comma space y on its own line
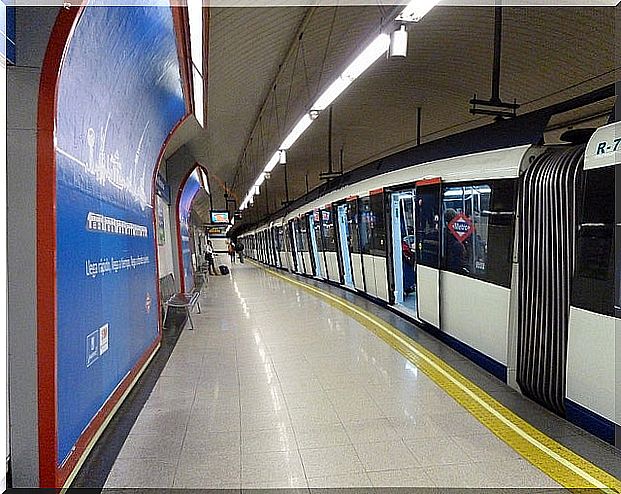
548, 55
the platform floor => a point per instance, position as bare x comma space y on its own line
276, 388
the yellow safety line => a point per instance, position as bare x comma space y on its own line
558, 462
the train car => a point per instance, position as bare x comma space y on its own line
506, 255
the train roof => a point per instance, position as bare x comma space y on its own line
488, 165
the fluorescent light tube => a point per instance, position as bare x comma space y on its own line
297, 131
260, 181
271, 164
362, 62
197, 85
416, 10
195, 19
330, 94
368, 57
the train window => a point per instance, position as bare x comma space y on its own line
280, 238
329, 244
303, 234
593, 284
478, 222
317, 228
427, 225
365, 225
378, 230
352, 218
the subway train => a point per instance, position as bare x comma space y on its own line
507, 255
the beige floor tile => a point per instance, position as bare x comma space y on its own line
410, 477
215, 472
268, 440
266, 469
393, 455
437, 451
322, 436
337, 460
349, 480
467, 475
265, 420
371, 431
141, 473
152, 446
212, 443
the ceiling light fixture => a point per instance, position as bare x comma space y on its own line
416, 10
399, 43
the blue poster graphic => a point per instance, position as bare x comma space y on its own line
119, 96
192, 185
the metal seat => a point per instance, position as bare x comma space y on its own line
186, 301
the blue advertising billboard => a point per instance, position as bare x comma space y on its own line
192, 185
119, 96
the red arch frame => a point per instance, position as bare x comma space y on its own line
50, 474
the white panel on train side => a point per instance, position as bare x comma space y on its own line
333, 266
591, 362
489, 165
427, 283
369, 274
308, 267
604, 147
476, 313
356, 268
284, 260
381, 277
618, 374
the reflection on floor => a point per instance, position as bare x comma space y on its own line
276, 388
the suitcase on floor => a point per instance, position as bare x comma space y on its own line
223, 269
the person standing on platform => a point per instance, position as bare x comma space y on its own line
239, 248
211, 266
232, 251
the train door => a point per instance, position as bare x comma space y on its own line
328, 245
293, 247
275, 246
344, 245
313, 222
404, 249
301, 236
428, 239
355, 255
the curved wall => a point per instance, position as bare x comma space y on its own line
189, 189
118, 97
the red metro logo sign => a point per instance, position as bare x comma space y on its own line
461, 227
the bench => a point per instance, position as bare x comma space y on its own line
172, 299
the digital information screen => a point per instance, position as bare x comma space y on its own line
219, 216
